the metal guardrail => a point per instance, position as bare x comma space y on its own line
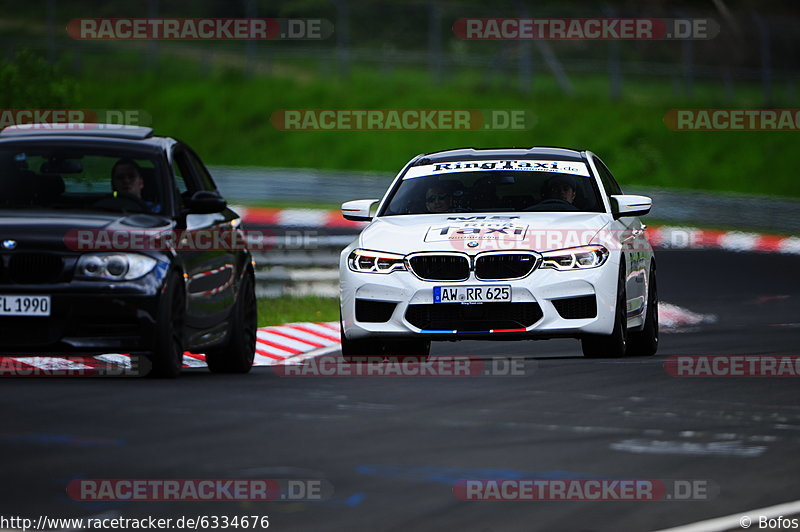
705, 209
288, 268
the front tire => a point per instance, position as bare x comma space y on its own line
645, 342
167, 357
615, 344
238, 353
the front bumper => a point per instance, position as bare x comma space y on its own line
539, 305
87, 317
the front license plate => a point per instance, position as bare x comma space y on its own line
24, 305
471, 294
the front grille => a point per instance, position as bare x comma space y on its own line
440, 267
35, 268
369, 311
576, 308
497, 266
455, 316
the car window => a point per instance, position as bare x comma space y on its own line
609, 183
184, 176
203, 177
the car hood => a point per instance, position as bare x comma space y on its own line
50, 230
473, 233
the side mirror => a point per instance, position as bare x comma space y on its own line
206, 202
630, 205
358, 210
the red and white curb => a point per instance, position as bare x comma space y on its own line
664, 237
291, 343
281, 344
294, 217
671, 237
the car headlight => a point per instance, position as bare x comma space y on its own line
365, 261
114, 266
579, 258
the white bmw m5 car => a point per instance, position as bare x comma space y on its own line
500, 244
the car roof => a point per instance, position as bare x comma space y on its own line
469, 154
83, 132
81, 129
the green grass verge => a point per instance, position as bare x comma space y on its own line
282, 310
226, 117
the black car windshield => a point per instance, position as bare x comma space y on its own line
496, 186
36, 176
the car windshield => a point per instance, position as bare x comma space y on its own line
78, 178
496, 186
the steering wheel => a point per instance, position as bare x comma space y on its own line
555, 203
122, 202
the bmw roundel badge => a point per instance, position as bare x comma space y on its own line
9, 244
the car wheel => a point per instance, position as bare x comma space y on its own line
167, 358
237, 355
614, 344
645, 342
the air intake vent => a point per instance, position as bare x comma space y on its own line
455, 316
576, 308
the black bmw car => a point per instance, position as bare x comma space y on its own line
113, 240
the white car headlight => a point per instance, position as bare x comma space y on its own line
114, 266
366, 261
579, 258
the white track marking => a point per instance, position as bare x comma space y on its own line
734, 521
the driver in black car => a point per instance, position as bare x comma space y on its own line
558, 194
126, 178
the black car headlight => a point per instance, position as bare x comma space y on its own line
114, 266
366, 261
579, 258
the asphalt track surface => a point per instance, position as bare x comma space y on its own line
393, 447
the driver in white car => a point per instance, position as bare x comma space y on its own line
558, 193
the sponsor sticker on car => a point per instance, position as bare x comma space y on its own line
476, 229
561, 167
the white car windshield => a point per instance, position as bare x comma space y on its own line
497, 186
